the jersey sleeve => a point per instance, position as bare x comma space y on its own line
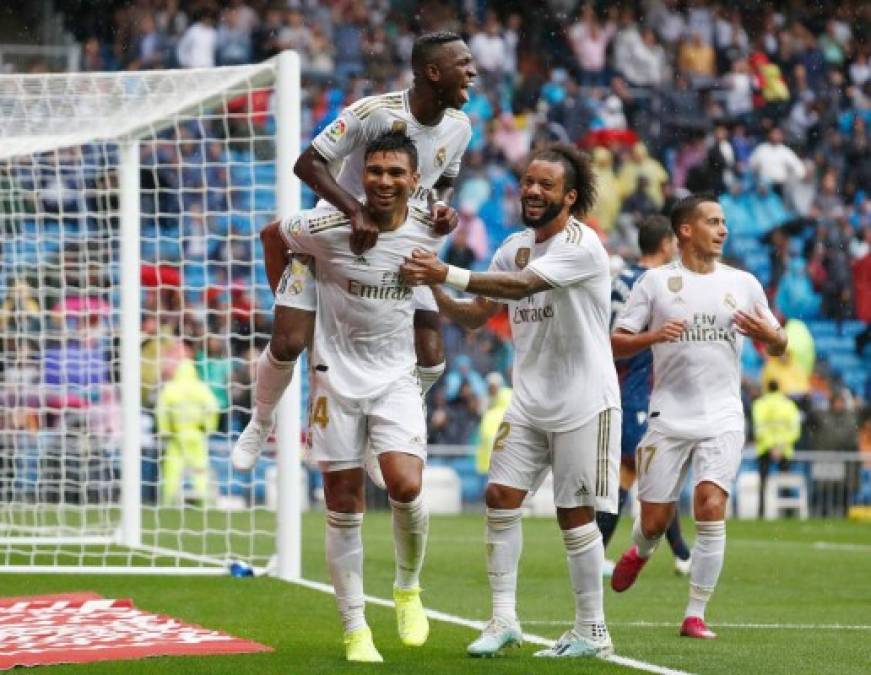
296, 232
341, 138
635, 315
566, 265
499, 262
453, 168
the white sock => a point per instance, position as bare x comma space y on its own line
345, 561
429, 375
708, 552
504, 542
410, 528
273, 376
645, 546
585, 555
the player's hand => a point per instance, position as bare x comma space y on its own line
444, 217
755, 326
423, 269
670, 331
364, 232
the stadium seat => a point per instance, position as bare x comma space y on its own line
747, 495
778, 501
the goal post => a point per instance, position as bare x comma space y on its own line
130, 207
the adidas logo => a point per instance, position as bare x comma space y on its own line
678, 300
361, 260
582, 492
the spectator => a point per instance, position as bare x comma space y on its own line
775, 163
791, 378
187, 412
498, 398
233, 39
462, 372
490, 51
459, 253
795, 295
463, 416
696, 57
607, 205
640, 163
739, 90
589, 40
835, 429
197, 46
776, 427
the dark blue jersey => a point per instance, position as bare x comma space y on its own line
636, 372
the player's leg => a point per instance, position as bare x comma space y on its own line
428, 343
397, 433
764, 462
661, 463
292, 331
679, 548
585, 480
632, 429
519, 463
336, 435
715, 466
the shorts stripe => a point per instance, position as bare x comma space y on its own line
602, 453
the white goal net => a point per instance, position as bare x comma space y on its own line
133, 304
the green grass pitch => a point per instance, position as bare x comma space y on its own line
803, 578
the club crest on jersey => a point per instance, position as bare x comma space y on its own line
730, 301
521, 259
675, 284
295, 227
441, 157
398, 127
337, 129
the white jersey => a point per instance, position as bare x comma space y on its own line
696, 380
563, 366
364, 337
440, 148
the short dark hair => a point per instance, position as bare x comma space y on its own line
685, 209
651, 233
392, 141
773, 385
425, 46
578, 170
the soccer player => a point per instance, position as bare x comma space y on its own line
657, 243
364, 387
695, 413
429, 114
565, 411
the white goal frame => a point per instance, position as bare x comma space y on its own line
282, 72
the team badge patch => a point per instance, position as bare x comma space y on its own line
441, 157
730, 301
295, 227
521, 259
398, 126
337, 129
675, 284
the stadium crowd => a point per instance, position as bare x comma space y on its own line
769, 106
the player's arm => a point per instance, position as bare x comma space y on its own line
470, 314
424, 269
757, 326
624, 343
313, 168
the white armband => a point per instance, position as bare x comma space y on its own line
458, 278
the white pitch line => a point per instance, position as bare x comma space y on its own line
667, 624
479, 625
835, 546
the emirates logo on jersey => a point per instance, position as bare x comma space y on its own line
675, 284
441, 157
521, 259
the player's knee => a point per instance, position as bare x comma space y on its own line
502, 497
287, 346
403, 489
710, 504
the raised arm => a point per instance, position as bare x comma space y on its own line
470, 314
275, 253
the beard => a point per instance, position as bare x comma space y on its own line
551, 211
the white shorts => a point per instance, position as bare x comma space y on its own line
298, 288
585, 461
661, 463
340, 430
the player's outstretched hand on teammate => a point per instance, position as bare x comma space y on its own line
423, 269
364, 232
